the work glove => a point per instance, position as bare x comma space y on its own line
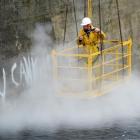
80, 38
97, 30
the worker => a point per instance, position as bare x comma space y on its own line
90, 36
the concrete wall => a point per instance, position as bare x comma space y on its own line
19, 17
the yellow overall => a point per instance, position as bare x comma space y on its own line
90, 42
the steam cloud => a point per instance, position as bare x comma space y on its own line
40, 107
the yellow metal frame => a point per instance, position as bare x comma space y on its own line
89, 8
102, 75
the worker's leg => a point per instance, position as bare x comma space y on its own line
95, 57
96, 68
93, 50
90, 49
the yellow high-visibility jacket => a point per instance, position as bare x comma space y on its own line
90, 42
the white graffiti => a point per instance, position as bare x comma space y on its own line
27, 71
3, 93
12, 74
27, 74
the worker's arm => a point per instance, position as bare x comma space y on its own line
101, 34
80, 40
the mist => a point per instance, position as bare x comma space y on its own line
40, 107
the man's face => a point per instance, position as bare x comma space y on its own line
87, 27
